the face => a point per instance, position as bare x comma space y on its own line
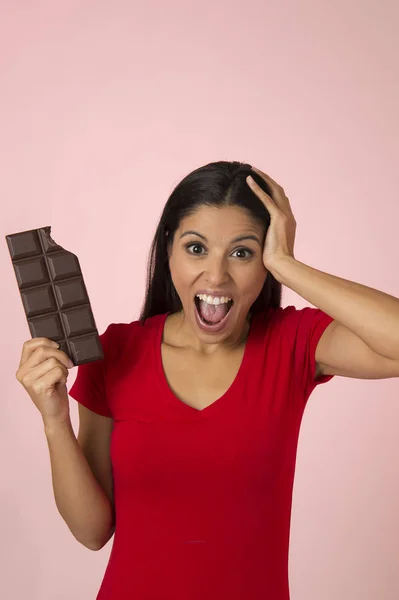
206, 255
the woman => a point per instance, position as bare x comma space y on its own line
189, 426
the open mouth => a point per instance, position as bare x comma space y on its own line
212, 314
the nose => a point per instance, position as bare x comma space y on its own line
216, 272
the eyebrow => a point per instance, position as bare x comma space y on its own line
237, 239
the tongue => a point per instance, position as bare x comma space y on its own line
213, 312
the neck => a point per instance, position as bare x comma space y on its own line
182, 332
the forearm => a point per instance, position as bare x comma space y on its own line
80, 499
370, 314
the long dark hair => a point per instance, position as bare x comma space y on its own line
218, 184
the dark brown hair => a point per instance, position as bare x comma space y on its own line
218, 184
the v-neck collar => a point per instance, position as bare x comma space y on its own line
171, 397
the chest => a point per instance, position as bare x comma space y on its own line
200, 381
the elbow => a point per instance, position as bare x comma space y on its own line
96, 545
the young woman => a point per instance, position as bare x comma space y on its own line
189, 426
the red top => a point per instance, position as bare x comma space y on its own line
203, 497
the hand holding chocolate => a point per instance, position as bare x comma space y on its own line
54, 294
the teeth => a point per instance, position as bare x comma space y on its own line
214, 300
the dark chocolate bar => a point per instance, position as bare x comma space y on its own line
54, 295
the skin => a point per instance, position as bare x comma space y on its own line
43, 372
43, 369
220, 264
280, 239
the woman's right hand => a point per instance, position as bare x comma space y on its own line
43, 372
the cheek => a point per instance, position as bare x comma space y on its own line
252, 282
182, 266
250, 275
183, 273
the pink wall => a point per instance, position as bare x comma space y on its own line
105, 106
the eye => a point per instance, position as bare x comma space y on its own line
249, 252
196, 245
246, 251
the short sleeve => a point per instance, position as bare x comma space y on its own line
89, 387
310, 325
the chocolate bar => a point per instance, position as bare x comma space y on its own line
54, 295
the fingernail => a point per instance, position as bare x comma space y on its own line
70, 364
55, 344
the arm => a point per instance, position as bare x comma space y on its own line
363, 341
81, 501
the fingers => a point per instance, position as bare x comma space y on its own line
278, 194
270, 205
47, 383
44, 376
41, 353
30, 346
277, 190
268, 179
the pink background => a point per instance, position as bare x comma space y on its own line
105, 106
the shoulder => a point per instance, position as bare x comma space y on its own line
120, 337
290, 315
276, 317
291, 321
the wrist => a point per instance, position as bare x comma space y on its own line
55, 426
280, 266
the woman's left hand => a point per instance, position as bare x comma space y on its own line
280, 237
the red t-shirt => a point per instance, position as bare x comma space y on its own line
203, 498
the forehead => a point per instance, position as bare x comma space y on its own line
225, 218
